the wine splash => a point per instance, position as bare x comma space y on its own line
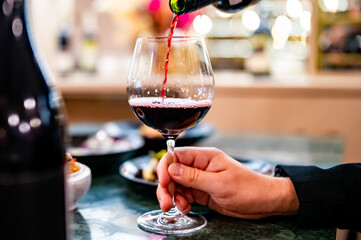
170, 36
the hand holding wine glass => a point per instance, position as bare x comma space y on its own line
187, 82
210, 177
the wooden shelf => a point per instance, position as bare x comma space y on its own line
328, 19
321, 62
341, 59
227, 82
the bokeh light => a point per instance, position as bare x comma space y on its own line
331, 5
294, 8
281, 31
24, 127
284, 22
35, 122
13, 120
251, 20
202, 24
305, 20
30, 103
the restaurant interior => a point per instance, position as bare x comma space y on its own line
291, 67
287, 79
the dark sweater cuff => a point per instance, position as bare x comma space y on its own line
327, 198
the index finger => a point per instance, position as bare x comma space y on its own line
202, 158
162, 172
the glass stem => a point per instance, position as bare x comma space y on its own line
170, 160
173, 213
170, 149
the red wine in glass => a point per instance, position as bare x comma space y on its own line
169, 117
170, 36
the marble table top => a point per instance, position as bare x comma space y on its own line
111, 207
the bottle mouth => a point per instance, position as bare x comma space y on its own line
177, 6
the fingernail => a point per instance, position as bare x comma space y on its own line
175, 169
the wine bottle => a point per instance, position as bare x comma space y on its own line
186, 6
32, 155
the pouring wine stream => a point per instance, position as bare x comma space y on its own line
170, 141
170, 36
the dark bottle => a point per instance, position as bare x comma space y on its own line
32, 155
185, 6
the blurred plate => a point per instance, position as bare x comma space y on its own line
131, 169
188, 138
103, 146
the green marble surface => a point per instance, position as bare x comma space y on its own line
111, 207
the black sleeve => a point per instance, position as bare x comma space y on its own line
327, 197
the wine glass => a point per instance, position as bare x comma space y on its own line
170, 101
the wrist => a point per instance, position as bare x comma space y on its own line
281, 198
288, 200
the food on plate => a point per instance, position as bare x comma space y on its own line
151, 133
148, 132
103, 142
70, 164
149, 172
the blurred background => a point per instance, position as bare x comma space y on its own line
302, 35
290, 66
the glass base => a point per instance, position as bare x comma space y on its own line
170, 223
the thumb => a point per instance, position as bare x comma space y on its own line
192, 177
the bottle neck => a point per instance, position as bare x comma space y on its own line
180, 7
13, 22
14, 38
185, 6
18, 58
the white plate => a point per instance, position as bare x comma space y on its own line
130, 168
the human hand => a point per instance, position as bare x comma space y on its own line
210, 177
